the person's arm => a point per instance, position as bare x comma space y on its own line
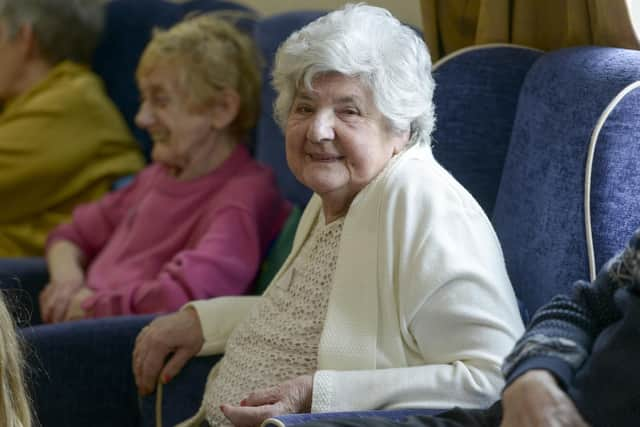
545, 359
224, 261
93, 224
66, 263
169, 342
561, 333
72, 246
557, 342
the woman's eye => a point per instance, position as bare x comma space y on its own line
350, 112
303, 109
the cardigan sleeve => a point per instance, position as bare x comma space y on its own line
219, 317
224, 261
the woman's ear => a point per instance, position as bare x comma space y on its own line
400, 141
225, 108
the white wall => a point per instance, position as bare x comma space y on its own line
407, 11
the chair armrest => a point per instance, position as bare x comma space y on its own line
297, 419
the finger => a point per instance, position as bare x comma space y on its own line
264, 396
59, 309
250, 416
60, 305
175, 364
139, 354
43, 298
150, 367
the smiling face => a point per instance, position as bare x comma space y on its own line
337, 141
177, 128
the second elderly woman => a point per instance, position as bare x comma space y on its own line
196, 223
395, 293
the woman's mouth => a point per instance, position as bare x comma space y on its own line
327, 158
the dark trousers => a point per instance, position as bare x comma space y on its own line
453, 418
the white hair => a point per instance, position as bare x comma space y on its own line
366, 42
64, 29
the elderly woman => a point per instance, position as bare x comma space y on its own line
395, 293
62, 141
196, 223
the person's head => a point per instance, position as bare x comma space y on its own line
15, 410
354, 88
44, 33
199, 80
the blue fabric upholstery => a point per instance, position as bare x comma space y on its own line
21, 280
270, 32
539, 210
80, 372
129, 24
476, 96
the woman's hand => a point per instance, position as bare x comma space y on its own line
56, 298
179, 333
290, 397
75, 310
65, 262
536, 400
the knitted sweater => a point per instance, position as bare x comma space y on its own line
161, 242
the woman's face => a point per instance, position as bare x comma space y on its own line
337, 141
177, 129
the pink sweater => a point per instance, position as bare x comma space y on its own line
160, 242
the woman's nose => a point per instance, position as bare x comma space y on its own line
144, 117
321, 128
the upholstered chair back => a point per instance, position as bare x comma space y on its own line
569, 195
476, 96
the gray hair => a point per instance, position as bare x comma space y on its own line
64, 29
366, 42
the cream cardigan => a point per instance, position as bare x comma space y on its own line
421, 313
